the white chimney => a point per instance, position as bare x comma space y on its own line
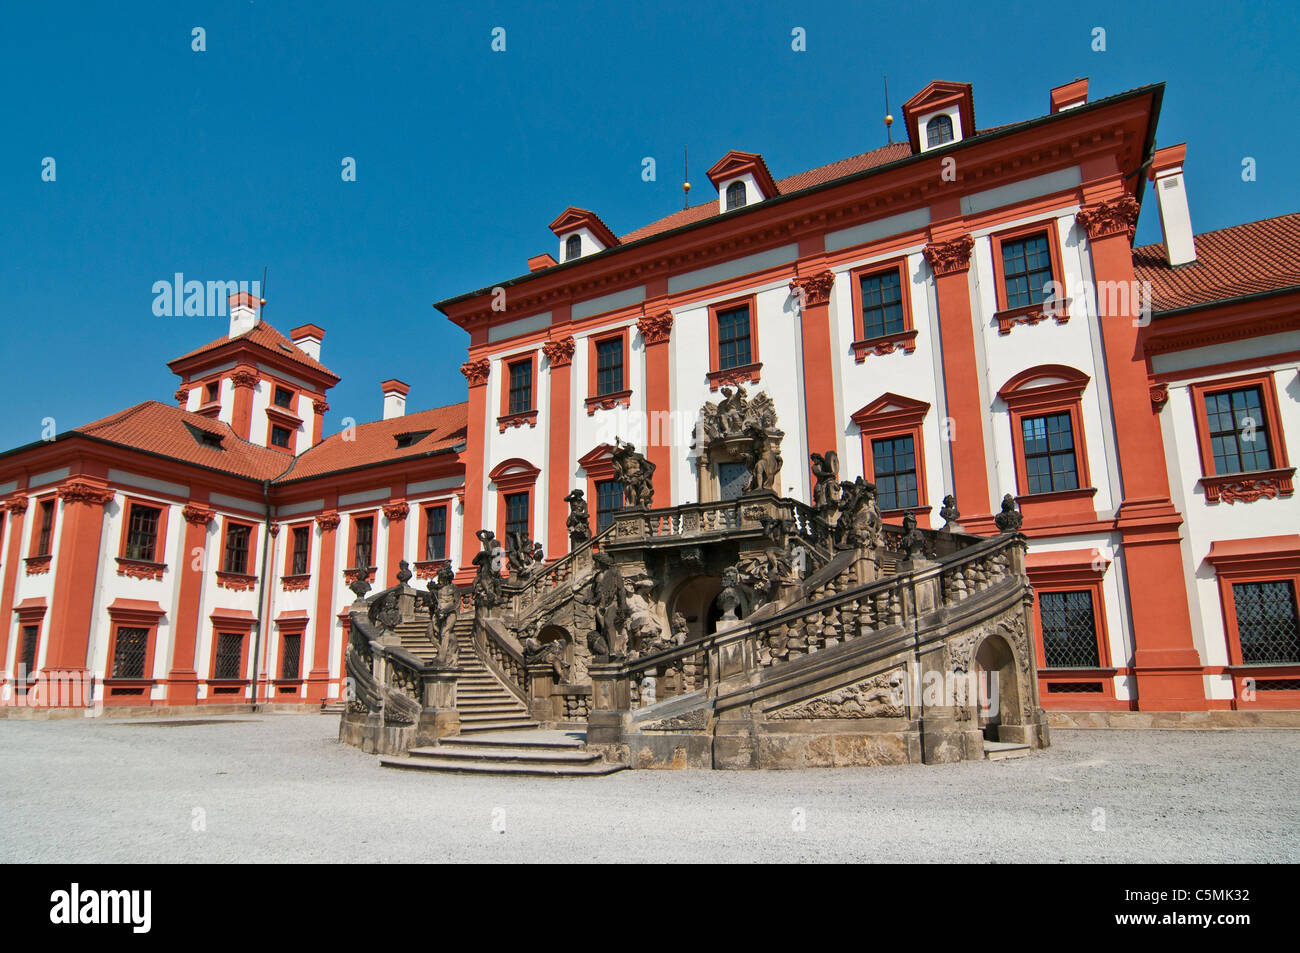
308, 339
244, 313
394, 398
1171, 192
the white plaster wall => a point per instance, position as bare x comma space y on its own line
526, 443
753, 193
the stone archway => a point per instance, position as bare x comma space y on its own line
998, 684
695, 598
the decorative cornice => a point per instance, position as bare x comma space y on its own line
199, 515
17, 504
476, 372
428, 568
236, 581
1247, 488
38, 565
1112, 217
733, 376
622, 398
140, 568
1055, 308
656, 328
295, 583
885, 344
528, 417
82, 491
1159, 396
352, 575
813, 290
328, 521
951, 257
558, 352
244, 377
320, 405
397, 511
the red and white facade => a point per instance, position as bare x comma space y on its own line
890, 304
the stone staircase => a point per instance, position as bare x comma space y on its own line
1004, 750
550, 754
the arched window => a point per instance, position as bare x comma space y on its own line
735, 195
572, 247
938, 131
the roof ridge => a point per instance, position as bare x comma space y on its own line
1225, 228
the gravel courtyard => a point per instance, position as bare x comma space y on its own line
280, 788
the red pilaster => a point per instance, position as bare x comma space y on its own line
656, 331
77, 561
396, 511
244, 380
323, 627
559, 356
814, 294
950, 260
476, 376
182, 678
1165, 661
15, 509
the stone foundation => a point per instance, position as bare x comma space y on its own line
1189, 720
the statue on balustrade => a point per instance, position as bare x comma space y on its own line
949, 513
1009, 520
608, 596
578, 524
444, 603
524, 558
913, 542
553, 653
643, 626
487, 578
826, 491
762, 457
859, 524
635, 473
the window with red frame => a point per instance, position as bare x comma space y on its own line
301, 550
290, 655
45, 536
1026, 270
1069, 628
516, 514
882, 303
609, 366
31, 640
230, 656
142, 532
521, 386
365, 543
129, 647
1238, 430
280, 436
1267, 629
236, 555
733, 337
435, 533
1050, 463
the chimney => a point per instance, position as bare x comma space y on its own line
1176, 221
394, 398
308, 339
244, 313
1070, 95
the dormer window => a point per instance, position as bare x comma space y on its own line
572, 247
283, 397
938, 131
735, 195
211, 392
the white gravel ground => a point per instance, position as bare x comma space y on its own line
281, 788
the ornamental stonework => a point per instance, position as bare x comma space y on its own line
81, 491
198, 515
17, 505
881, 696
236, 581
182, 396
139, 568
396, 512
295, 583
559, 352
951, 257
1113, 217
1159, 396
813, 290
476, 372
320, 405
328, 521
243, 377
656, 328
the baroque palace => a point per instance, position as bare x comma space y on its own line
957, 321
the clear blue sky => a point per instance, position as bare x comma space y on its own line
217, 163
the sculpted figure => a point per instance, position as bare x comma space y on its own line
680, 629
913, 539
1009, 520
949, 513
444, 601
859, 524
609, 597
578, 524
643, 626
635, 472
487, 579
763, 459
731, 410
729, 598
826, 470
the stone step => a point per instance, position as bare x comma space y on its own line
515, 739
503, 754
473, 727
493, 715
1004, 750
455, 766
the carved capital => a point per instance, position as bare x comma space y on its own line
950, 258
17, 505
82, 491
656, 328
198, 515
558, 352
275, 530
1159, 396
813, 290
320, 405
396, 512
328, 521
244, 377
182, 396
1113, 217
476, 372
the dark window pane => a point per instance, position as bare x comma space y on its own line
1026, 270
517, 514
938, 131
230, 648
882, 304
142, 533
1266, 622
283, 397
733, 337
435, 536
47, 527
1238, 431
237, 548
365, 543
572, 247
609, 500
290, 655
1050, 464
129, 652
732, 478
301, 549
894, 461
609, 366
31, 636
735, 195
1069, 630
280, 436
521, 386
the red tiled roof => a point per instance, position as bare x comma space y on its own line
1240, 260
169, 431
791, 183
268, 338
375, 443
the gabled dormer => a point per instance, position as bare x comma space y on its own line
741, 179
581, 233
940, 114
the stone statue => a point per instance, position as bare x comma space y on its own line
859, 524
403, 573
537, 652
762, 457
524, 557
949, 513
359, 586
1009, 520
731, 411
386, 610
444, 603
826, 470
635, 472
487, 579
643, 626
680, 629
913, 542
609, 597
578, 524
730, 598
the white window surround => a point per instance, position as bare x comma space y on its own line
953, 112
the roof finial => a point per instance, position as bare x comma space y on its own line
889, 118
686, 178
261, 298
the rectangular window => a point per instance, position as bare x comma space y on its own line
142, 533
731, 480
1026, 270
733, 337
1238, 431
894, 462
365, 545
290, 655
609, 366
44, 540
435, 532
301, 549
517, 514
31, 636
283, 397
211, 392
609, 500
1049, 453
230, 650
1266, 622
1069, 630
237, 537
280, 436
128, 652
521, 386
882, 304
